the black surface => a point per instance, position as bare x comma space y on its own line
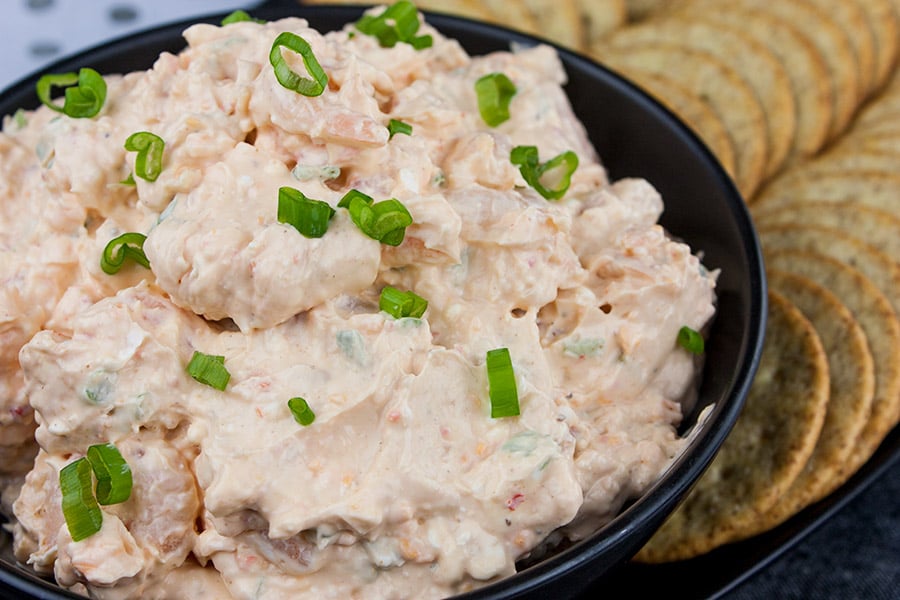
636, 137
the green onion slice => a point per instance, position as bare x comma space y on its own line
113, 474
149, 148
84, 96
690, 340
494, 92
303, 414
502, 384
400, 304
124, 247
209, 369
238, 16
526, 158
308, 216
80, 509
288, 78
385, 221
395, 127
397, 23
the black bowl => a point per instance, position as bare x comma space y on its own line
635, 137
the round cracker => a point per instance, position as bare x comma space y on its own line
878, 228
767, 449
870, 188
600, 18
753, 61
717, 83
883, 20
826, 37
806, 69
851, 384
559, 20
880, 268
693, 111
638, 10
874, 313
850, 16
836, 161
512, 14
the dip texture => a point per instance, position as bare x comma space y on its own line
403, 486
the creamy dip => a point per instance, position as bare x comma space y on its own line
403, 486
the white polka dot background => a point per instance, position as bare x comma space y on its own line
35, 33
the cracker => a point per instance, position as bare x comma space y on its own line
875, 315
693, 111
765, 451
600, 18
878, 228
512, 14
870, 188
825, 36
638, 10
559, 20
806, 69
851, 384
883, 19
838, 161
753, 61
880, 268
850, 17
718, 84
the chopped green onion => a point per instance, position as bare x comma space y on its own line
149, 148
239, 16
690, 340
84, 96
494, 92
209, 369
79, 507
308, 216
502, 384
526, 158
303, 414
402, 304
20, 118
385, 221
113, 474
288, 78
119, 249
395, 127
352, 195
397, 23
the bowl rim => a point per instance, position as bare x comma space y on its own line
672, 486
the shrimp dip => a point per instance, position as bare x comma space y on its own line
343, 315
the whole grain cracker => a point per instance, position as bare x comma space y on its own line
600, 18
884, 20
880, 268
559, 20
869, 188
693, 111
716, 83
878, 228
752, 60
827, 38
851, 384
764, 453
850, 17
878, 319
806, 69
